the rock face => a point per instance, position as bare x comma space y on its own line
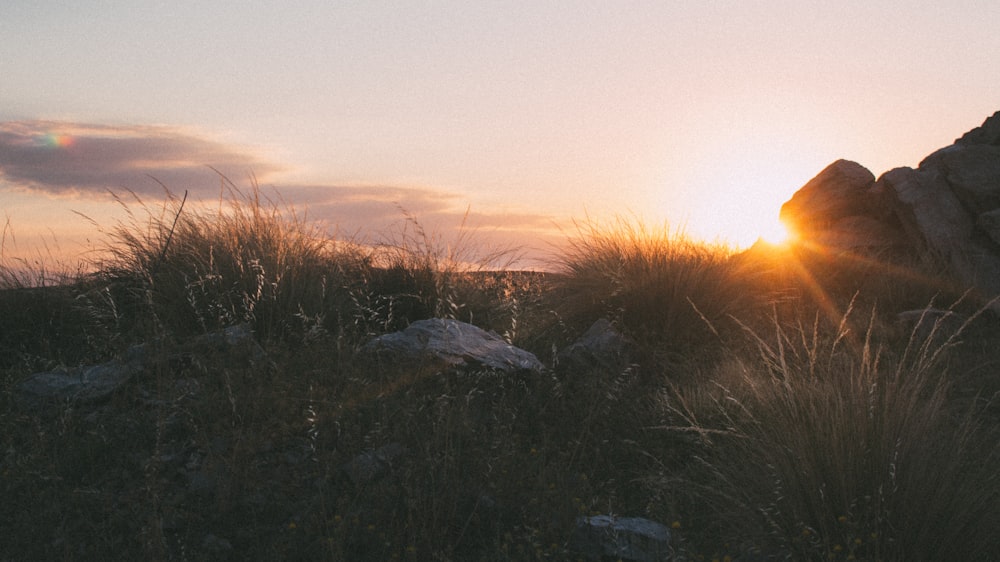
945, 212
453, 343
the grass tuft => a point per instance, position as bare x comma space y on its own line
662, 286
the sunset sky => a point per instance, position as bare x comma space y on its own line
704, 113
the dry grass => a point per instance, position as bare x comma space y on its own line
829, 448
782, 423
661, 286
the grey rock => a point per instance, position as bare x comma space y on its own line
95, 382
973, 173
931, 214
600, 346
625, 538
945, 213
453, 343
83, 384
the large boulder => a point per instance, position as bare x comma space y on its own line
945, 212
843, 209
843, 189
452, 343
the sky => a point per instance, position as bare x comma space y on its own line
523, 115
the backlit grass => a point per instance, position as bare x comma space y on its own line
770, 407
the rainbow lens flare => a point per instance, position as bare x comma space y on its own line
55, 140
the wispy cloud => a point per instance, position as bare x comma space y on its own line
63, 158
378, 213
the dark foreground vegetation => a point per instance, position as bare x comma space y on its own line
773, 408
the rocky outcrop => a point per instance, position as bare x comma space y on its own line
945, 212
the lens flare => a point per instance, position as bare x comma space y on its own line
56, 140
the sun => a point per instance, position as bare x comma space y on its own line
776, 234
741, 225
742, 205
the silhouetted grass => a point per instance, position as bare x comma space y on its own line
824, 447
660, 285
760, 412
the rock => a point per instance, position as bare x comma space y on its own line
83, 384
453, 343
941, 229
973, 173
201, 483
929, 211
234, 338
989, 222
859, 234
623, 538
987, 133
372, 465
842, 189
946, 212
92, 383
600, 346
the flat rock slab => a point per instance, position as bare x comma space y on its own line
623, 538
453, 342
83, 384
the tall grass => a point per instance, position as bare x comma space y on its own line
828, 450
428, 274
783, 432
196, 270
659, 284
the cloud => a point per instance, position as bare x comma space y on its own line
70, 160
63, 158
380, 213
